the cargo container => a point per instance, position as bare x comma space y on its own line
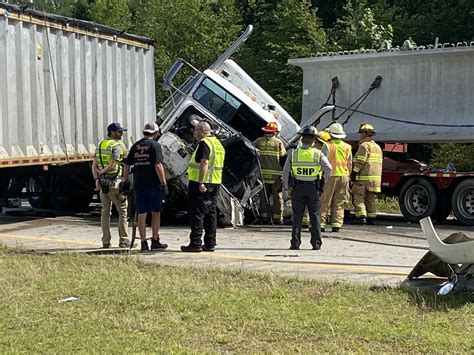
63, 81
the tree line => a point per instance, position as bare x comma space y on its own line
199, 30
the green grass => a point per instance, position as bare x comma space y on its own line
388, 204
129, 306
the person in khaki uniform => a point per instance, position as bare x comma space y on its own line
272, 151
366, 176
336, 190
107, 172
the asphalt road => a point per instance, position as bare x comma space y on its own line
376, 255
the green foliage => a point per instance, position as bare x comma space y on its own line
461, 155
283, 29
113, 13
357, 28
450, 20
197, 31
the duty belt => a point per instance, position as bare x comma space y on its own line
312, 182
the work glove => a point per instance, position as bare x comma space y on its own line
164, 190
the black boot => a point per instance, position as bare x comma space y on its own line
295, 239
360, 221
191, 248
370, 221
156, 245
144, 246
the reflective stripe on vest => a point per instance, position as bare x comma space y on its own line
105, 150
338, 155
306, 164
216, 162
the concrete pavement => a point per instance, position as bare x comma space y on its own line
376, 255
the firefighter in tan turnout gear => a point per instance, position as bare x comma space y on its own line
366, 176
272, 152
336, 190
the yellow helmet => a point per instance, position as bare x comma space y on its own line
323, 136
366, 128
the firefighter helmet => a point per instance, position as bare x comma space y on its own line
308, 131
323, 136
366, 128
336, 130
271, 127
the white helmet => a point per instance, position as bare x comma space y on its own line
336, 130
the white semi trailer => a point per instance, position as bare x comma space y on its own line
62, 82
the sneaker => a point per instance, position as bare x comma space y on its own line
144, 246
207, 248
335, 229
106, 246
191, 249
370, 221
124, 244
156, 245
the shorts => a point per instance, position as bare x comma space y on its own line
148, 201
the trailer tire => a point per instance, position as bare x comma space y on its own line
463, 202
417, 199
39, 196
61, 196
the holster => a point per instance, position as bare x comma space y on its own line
321, 183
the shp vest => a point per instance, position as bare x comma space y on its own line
306, 164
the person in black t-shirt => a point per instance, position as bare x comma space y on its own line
149, 183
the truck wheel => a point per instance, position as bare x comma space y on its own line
463, 202
417, 199
39, 196
443, 207
61, 193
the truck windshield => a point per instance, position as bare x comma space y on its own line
229, 109
217, 100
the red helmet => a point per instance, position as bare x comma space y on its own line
271, 127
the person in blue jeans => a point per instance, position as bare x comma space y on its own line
149, 183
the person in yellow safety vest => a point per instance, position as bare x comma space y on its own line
305, 164
336, 190
366, 176
205, 176
272, 152
321, 138
108, 172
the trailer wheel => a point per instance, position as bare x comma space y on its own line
61, 193
38, 197
463, 202
417, 199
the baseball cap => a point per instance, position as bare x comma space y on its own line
115, 127
151, 128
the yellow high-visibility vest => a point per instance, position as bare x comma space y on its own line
306, 164
216, 162
103, 156
339, 153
